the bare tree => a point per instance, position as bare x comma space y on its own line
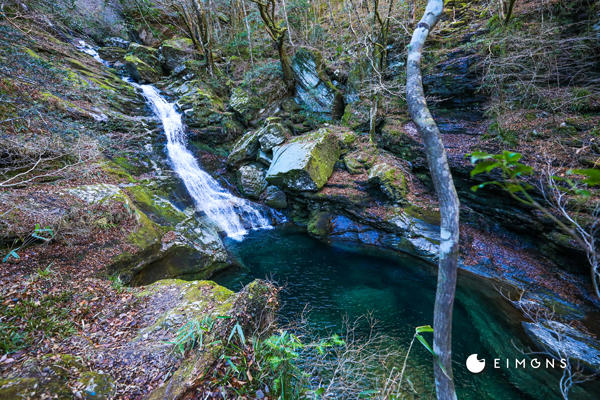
277, 32
197, 19
371, 30
585, 235
448, 199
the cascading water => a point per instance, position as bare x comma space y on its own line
227, 211
219, 205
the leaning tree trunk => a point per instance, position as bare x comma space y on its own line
449, 205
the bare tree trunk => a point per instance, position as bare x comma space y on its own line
289, 77
449, 204
248, 31
509, 11
287, 23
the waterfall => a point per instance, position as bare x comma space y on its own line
228, 212
217, 203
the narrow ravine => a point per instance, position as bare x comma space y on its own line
341, 285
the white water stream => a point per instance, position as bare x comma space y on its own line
228, 212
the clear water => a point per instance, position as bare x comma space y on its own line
399, 292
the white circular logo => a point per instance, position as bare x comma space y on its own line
474, 365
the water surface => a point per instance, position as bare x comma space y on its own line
399, 292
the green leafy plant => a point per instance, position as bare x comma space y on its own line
192, 333
280, 353
419, 330
44, 234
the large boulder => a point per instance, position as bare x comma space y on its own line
253, 309
252, 180
306, 162
175, 52
147, 54
390, 179
203, 112
240, 102
112, 54
275, 197
165, 242
117, 42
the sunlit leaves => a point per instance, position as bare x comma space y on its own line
592, 175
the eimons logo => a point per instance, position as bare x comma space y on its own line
475, 365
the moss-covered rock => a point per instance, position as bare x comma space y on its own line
253, 308
319, 224
174, 52
147, 54
272, 134
246, 148
314, 89
117, 42
240, 102
203, 109
112, 54
97, 385
390, 179
141, 71
275, 197
306, 162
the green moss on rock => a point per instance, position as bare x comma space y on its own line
306, 162
390, 179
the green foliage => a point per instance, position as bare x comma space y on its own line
592, 175
508, 163
22, 322
280, 353
192, 334
508, 136
513, 172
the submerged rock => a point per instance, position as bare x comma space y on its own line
252, 180
306, 162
